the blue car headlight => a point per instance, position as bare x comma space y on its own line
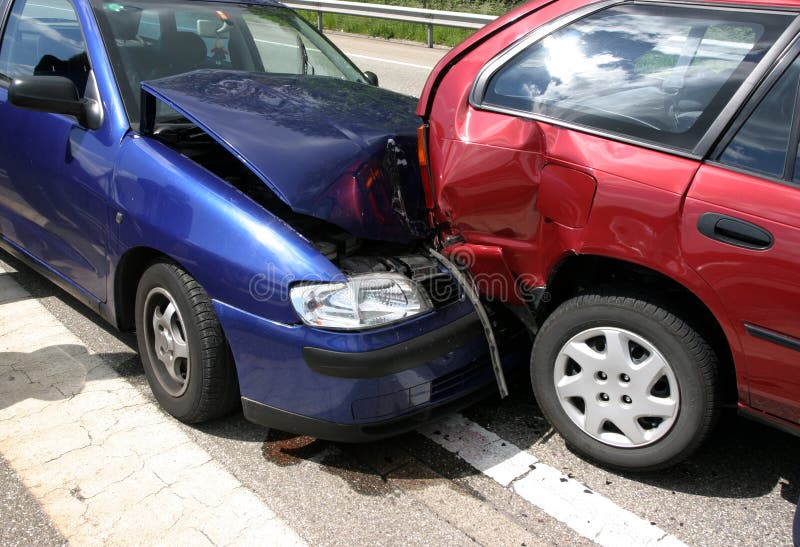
359, 302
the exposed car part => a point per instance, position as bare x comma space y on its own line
362, 177
438, 283
367, 263
469, 288
186, 138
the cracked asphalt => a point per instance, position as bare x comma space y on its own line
87, 457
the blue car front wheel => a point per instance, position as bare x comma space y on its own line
183, 350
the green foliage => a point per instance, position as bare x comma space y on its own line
655, 61
410, 31
451, 36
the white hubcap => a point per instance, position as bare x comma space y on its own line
617, 387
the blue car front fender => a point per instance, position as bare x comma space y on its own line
242, 254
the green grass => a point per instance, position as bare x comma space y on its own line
449, 36
381, 28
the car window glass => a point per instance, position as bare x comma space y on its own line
279, 46
44, 39
762, 143
149, 26
796, 177
660, 73
214, 33
152, 39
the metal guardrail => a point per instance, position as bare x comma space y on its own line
428, 17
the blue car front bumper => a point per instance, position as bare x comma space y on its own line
365, 385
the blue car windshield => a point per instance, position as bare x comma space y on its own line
150, 39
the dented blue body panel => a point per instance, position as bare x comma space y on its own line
321, 144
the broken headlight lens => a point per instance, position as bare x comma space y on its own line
360, 302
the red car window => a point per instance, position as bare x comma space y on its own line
658, 73
761, 145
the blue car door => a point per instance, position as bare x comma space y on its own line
53, 172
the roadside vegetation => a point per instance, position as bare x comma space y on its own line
410, 31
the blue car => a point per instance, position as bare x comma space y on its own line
221, 179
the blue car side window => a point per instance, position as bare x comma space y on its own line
44, 40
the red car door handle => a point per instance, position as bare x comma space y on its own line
734, 231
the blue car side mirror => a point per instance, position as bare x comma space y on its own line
57, 95
372, 78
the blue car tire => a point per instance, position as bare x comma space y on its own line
183, 350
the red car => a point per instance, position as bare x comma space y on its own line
627, 175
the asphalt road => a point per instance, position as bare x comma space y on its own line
401, 67
424, 487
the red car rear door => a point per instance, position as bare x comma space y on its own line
741, 233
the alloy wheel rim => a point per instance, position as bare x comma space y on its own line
166, 342
616, 387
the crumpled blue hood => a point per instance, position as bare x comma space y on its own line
340, 151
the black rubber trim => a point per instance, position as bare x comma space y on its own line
772, 336
772, 421
390, 360
283, 420
735, 231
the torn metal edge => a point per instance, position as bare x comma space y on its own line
465, 279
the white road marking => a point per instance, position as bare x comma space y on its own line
587, 512
282, 44
391, 62
106, 465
